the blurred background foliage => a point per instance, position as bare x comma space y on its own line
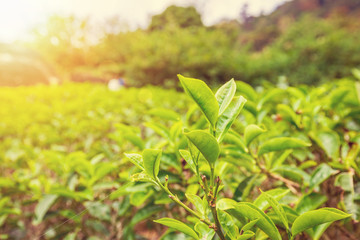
304, 42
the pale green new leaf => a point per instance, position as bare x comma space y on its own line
197, 202
179, 226
320, 174
225, 94
228, 117
249, 225
43, 206
136, 159
250, 211
316, 217
203, 96
151, 158
281, 143
251, 132
159, 129
206, 144
164, 113
277, 194
246, 235
227, 223
188, 158
205, 232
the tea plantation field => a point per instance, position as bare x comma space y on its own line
78, 161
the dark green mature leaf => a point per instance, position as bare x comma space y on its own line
316, 217
206, 144
228, 117
179, 226
203, 96
43, 206
225, 94
281, 143
251, 132
151, 158
277, 209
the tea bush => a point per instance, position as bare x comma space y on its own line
243, 163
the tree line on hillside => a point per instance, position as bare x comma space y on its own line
308, 47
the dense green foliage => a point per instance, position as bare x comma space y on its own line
65, 173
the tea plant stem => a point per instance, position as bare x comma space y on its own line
177, 200
212, 174
290, 184
217, 223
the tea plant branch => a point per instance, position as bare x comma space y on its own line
293, 186
178, 201
211, 198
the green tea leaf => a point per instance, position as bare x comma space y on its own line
227, 223
281, 143
159, 129
164, 113
197, 202
246, 90
203, 96
205, 232
277, 194
329, 141
310, 202
320, 174
179, 226
151, 158
251, 132
135, 159
99, 210
228, 117
43, 206
277, 209
206, 144
316, 217
225, 94
250, 211
249, 225
246, 235
188, 158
